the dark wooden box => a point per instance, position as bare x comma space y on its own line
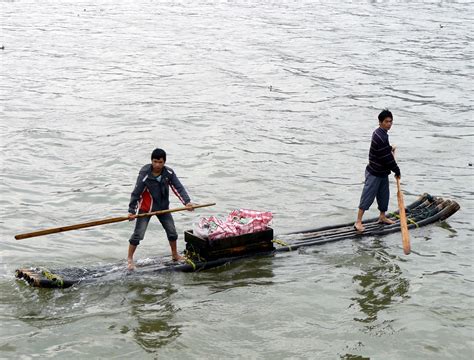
229, 242
230, 246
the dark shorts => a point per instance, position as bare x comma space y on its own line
141, 224
375, 187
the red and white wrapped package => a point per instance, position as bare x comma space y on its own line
238, 222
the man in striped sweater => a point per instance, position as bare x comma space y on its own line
151, 193
381, 163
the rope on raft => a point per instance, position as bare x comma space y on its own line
282, 243
53, 277
189, 255
409, 220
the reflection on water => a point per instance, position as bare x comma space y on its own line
448, 227
153, 310
381, 284
241, 274
354, 357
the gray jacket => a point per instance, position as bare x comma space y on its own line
151, 194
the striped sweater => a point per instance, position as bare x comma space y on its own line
381, 160
152, 194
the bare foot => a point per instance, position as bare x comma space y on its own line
386, 220
359, 227
131, 265
178, 258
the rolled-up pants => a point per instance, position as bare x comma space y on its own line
375, 187
141, 224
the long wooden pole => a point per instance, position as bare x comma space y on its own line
403, 220
102, 222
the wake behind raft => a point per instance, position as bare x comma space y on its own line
202, 254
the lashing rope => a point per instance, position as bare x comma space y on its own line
52, 277
190, 262
189, 255
409, 220
282, 243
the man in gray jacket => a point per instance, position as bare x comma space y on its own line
151, 193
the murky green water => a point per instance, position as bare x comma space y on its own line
267, 105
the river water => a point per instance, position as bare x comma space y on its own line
267, 105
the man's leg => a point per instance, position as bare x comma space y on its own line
358, 224
137, 236
174, 251
131, 251
366, 199
167, 222
383, 197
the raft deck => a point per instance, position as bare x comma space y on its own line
425, 210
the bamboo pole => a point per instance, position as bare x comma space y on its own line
101, 222
403, 220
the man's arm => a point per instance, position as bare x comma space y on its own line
179, 189
136, 193
390, 161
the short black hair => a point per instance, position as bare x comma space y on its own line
385, 114
158, 154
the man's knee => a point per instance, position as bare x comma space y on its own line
383, 205
135, 241
366, 201
172, 236
137, 236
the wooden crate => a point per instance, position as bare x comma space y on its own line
230, 246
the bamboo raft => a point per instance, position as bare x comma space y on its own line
425, 210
